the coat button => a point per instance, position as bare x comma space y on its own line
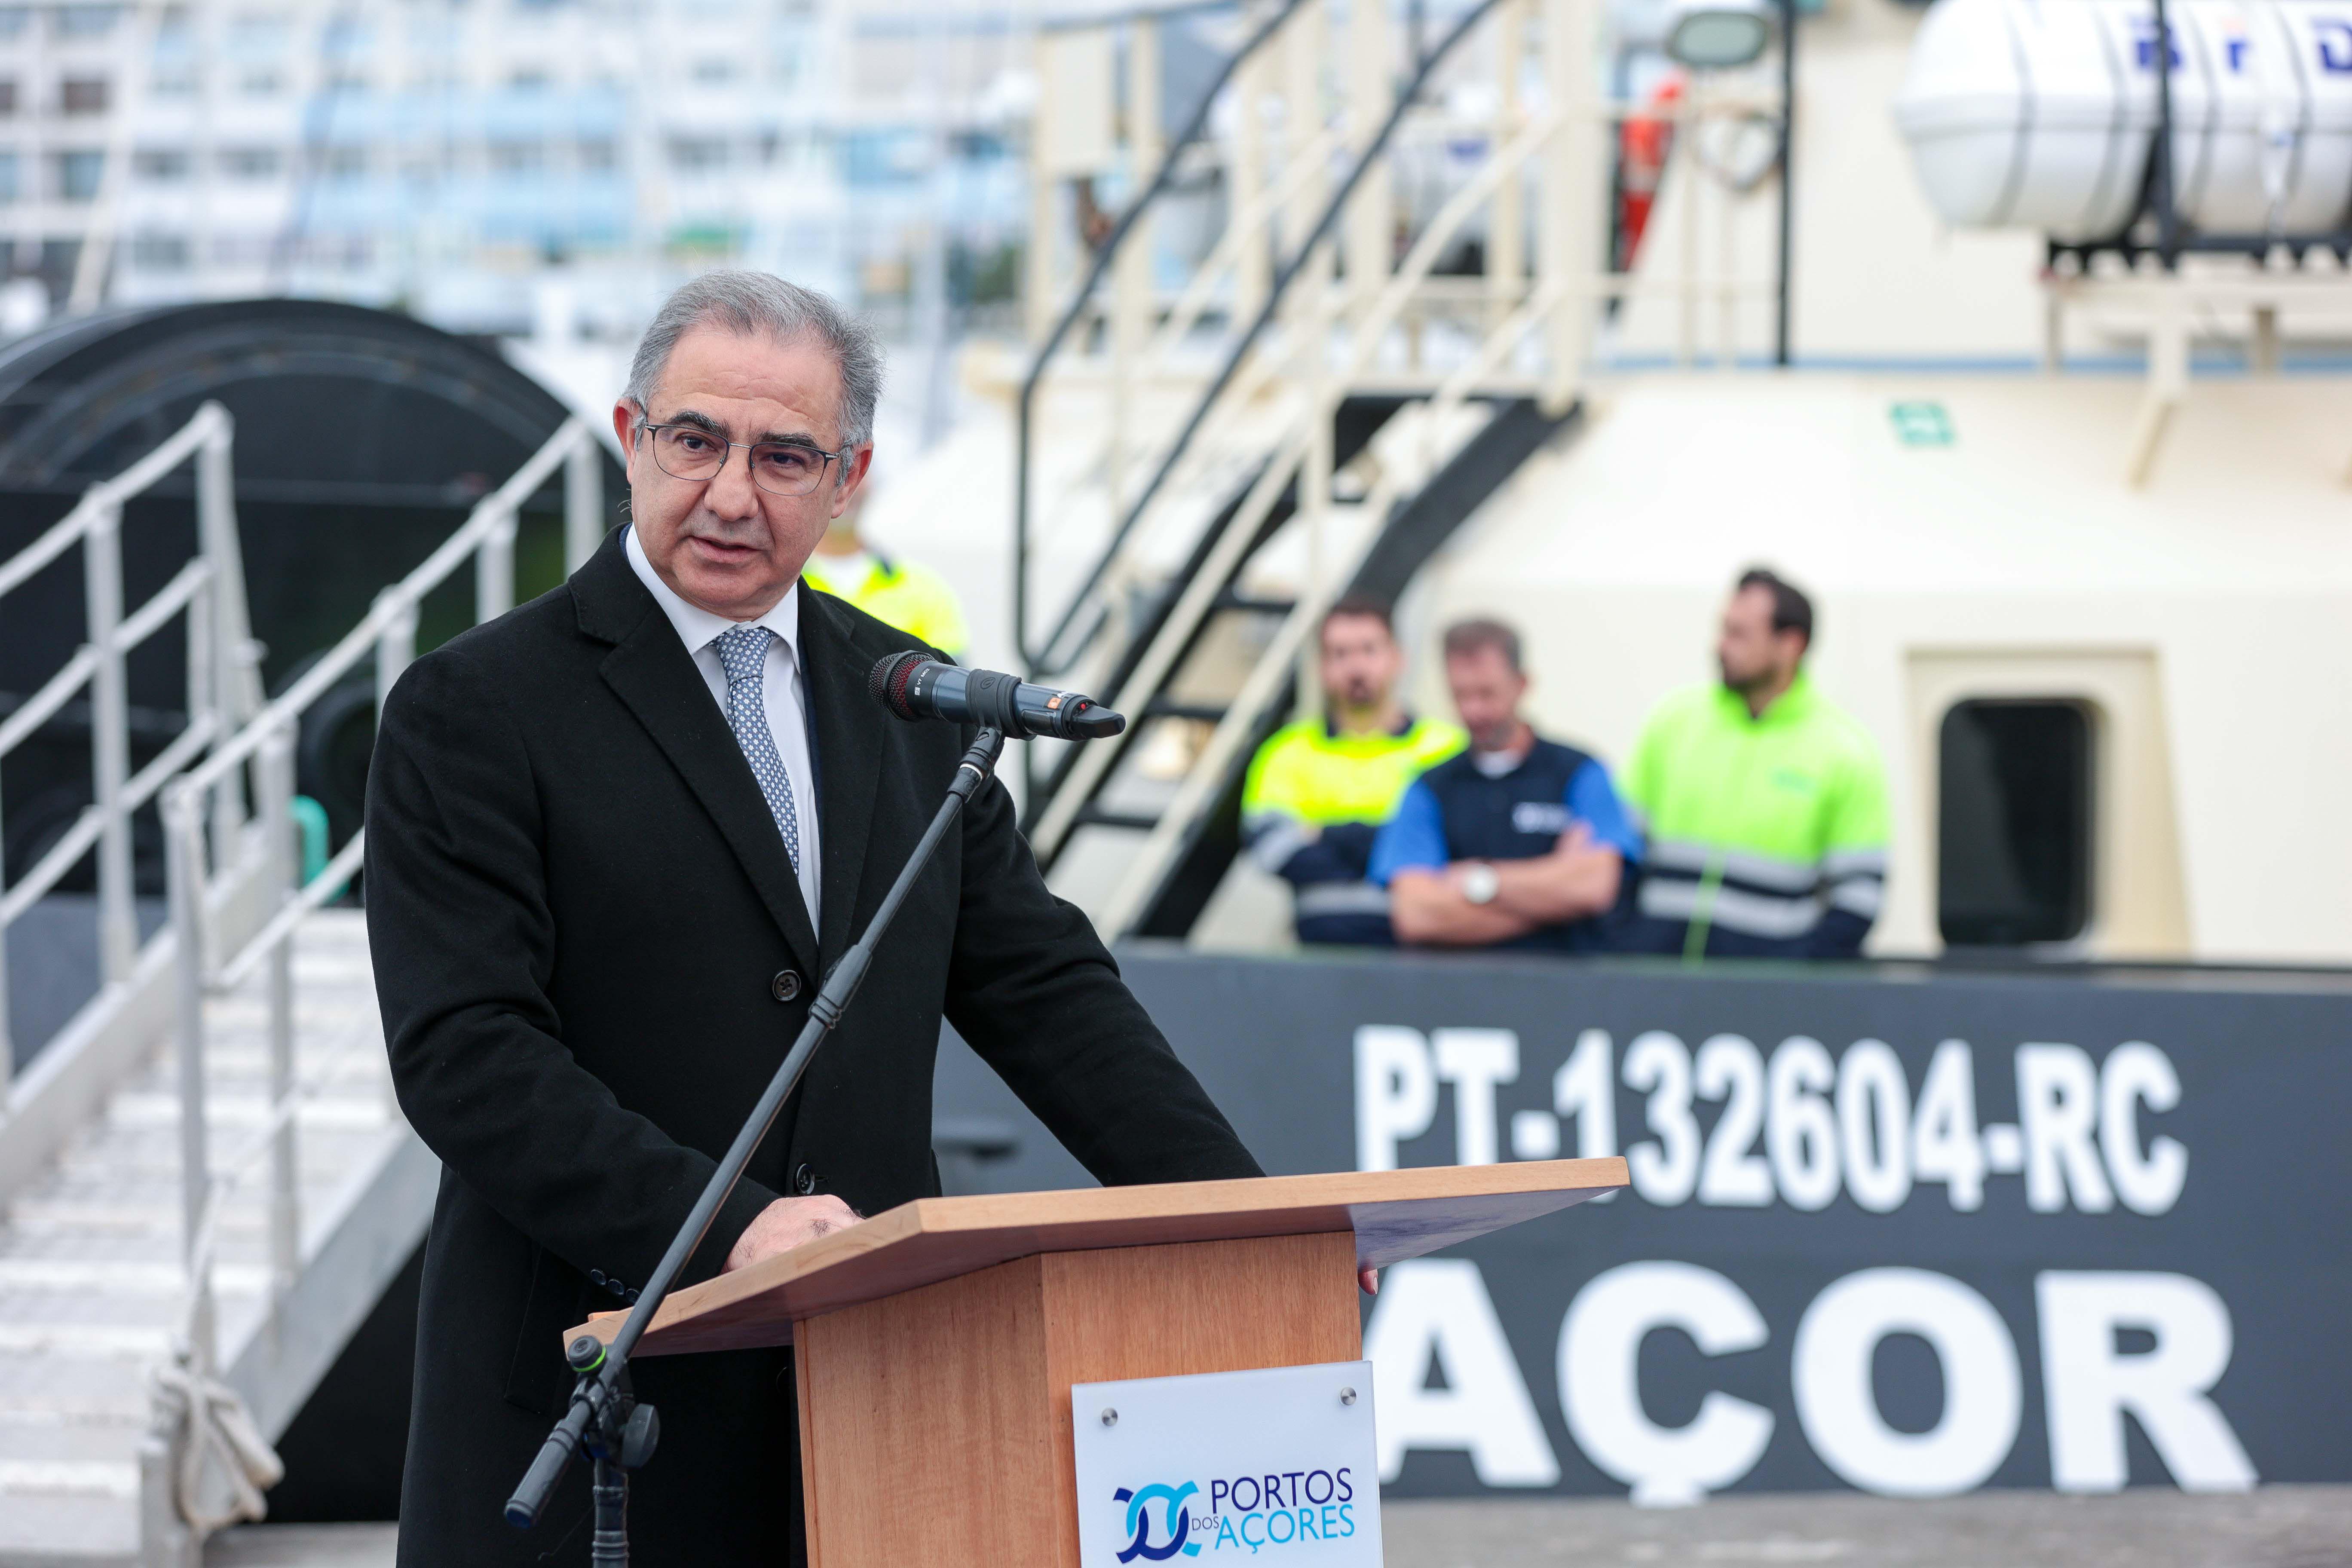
804, 1181
786, 986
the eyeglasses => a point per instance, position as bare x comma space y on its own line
691, 453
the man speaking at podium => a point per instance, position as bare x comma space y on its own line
614, 840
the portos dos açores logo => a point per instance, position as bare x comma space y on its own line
1250, 1512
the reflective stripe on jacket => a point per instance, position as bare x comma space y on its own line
1765, 827
1305, 778
1312, 802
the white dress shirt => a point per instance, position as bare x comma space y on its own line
779, 686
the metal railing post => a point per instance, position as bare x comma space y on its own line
204, 649
1130, 294
7, 1035
1370, 242
494, 578
583, 501
1245, 176
1785, 238
282, 866
1298, 87
204, 699
183, 814
395, 648
1315, 315
118, 933
234, 659
1575, 195
236, 665
1691, 209
1507, 230
1037, 267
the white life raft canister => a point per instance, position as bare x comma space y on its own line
2040, 113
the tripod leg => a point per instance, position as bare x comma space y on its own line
609, 1547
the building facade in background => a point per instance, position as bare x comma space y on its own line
450, 159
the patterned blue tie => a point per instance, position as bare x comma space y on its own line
744, 653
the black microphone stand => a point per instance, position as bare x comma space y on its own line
603, 1417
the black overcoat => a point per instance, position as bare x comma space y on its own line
591, 953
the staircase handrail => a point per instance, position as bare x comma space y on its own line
222, 687
1092, 763
193, 1325
1261, 687
1269, 677
1041, 661
266, 741
488, 536
1191, 302
1105, 256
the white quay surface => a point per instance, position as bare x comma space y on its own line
91, 1289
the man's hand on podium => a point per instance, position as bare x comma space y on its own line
787, 1222
1370, 1279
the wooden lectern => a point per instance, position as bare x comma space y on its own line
936, 1344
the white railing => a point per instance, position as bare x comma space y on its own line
1292, 452
223, 686
261, 754
1125, 500
1326, 276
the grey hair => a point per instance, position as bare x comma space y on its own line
761, 304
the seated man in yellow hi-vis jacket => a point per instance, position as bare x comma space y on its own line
1764, 803
1318, 792
914, 599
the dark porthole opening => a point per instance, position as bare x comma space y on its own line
2013, 823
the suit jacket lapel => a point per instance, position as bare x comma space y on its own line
847, 729
651, 672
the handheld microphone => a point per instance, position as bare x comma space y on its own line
914, 688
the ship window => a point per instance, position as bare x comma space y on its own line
2013, 823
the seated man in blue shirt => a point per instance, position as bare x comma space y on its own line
1517, 843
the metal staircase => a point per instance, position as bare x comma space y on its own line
1315, 411
93, 1290
208, 1184
1193, 847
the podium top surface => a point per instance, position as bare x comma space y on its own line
1395, 1215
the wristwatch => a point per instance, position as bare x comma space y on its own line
1480, 883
